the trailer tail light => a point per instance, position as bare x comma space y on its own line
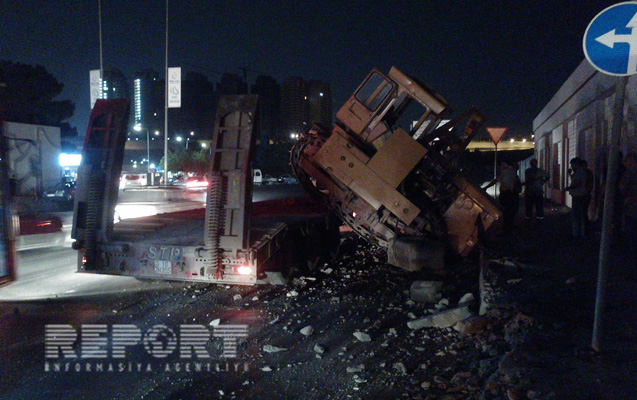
244, 270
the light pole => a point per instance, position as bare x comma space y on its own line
138, 129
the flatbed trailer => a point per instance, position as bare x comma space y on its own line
231, 240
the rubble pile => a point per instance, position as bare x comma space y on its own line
364, 329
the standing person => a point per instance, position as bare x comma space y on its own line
589, 181
579, 206
510, 188
534, 180
628, 189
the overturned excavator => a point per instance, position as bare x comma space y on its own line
389, 169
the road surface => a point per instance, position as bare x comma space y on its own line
51, 273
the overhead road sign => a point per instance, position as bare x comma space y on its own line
610, 41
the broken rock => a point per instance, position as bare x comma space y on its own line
357, 368
363, 337
471, 325
307, 331
273, 349
425, 291
442, 319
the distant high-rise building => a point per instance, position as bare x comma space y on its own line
232, 84
148, 102
269, 108
194, 120
319, 101
294, 111
115, 85
302, 104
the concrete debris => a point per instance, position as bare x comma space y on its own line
443, 304
273, 349
426, 291
319, 349
468, 298
236, 297
266, 369
363, 337
307, 331
442, 319
425, 385
400, 367
517, 328
358, 379
327, 271
487, 292
292, 293
471, 325
215, 322
357, 368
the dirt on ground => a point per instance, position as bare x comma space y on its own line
512, 321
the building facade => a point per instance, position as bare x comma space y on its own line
115, 85
302, 104
34, 157
577, 122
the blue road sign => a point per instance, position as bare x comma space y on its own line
610, 41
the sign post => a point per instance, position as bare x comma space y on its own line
95, 85
610, 46
496, 134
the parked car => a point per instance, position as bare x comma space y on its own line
36, 231
288, 179
132, 181
63, 192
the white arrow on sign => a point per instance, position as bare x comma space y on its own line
610, 38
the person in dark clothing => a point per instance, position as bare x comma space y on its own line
535, 178
580, 198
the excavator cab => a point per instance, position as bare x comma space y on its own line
389, 169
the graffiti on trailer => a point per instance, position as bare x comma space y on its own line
166, 253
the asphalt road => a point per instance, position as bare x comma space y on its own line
51, 273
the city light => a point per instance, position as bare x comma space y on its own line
70, 160
178, 138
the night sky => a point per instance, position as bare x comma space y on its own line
507, 58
